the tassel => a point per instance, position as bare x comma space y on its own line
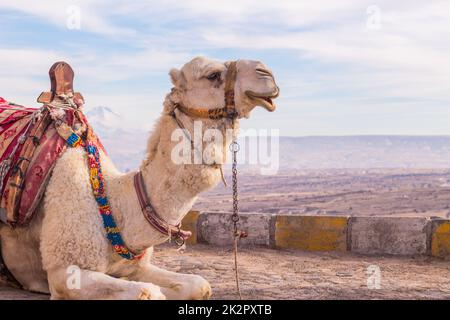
223, 176
4, 168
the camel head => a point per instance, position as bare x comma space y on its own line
201, 84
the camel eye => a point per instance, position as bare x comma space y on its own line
213, 76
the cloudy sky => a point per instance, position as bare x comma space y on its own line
359, 67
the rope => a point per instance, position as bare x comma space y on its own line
236, 270
223, 176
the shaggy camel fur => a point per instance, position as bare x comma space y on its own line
64, 251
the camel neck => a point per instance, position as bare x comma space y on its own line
136, 232
173, 187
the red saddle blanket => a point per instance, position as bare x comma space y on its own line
29, 147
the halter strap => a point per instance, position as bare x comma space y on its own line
213, 114
229, 89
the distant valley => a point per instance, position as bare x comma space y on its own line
127, 147
363, 175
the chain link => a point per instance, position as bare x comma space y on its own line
234, 147
237, 234
235, 217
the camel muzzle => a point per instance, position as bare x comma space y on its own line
264, 100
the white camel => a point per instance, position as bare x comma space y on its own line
68, 231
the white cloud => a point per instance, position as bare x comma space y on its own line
92, 66
24, 75
55, 12
406, 58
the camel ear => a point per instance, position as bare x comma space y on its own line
175, 77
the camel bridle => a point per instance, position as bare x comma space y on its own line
228, 112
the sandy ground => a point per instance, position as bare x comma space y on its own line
291, 274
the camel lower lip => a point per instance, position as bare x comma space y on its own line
264, 101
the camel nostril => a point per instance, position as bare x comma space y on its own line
264, 72
277, 93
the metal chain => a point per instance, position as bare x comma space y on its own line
235, 217
234, 147
237, 234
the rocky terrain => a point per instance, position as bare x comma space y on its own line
396, 192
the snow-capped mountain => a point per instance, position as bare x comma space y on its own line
104, 118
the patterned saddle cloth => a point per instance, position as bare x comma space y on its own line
29, 147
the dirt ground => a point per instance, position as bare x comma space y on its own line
292, 274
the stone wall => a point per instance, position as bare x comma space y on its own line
364, 235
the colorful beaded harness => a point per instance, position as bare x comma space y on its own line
98, 188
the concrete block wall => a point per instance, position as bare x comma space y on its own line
310, 232
389, 235
217, 228
364, 235
440, 238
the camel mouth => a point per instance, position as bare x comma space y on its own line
264, 99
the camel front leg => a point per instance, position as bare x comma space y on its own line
87, 284
175, 286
